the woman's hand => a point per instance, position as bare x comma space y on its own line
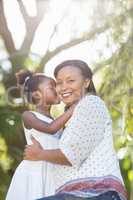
33, 152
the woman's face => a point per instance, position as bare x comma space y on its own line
71, 85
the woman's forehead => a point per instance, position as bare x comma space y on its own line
68, 71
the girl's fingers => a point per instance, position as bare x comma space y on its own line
34, 141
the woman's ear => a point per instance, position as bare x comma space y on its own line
87, 83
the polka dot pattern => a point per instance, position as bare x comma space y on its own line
87, 143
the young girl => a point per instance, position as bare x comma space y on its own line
34, 179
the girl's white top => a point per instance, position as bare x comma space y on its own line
87, 142
35, 179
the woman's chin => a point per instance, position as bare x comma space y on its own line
69, 102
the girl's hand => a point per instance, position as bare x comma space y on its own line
33, 152
72, 107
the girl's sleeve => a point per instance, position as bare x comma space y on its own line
85, 130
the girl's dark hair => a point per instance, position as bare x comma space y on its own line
29, 82
85, 70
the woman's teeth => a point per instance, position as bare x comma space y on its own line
66, 94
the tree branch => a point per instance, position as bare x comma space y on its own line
23, 11
31, 24
56, 27
83, 38
4, 31
74, 42
41, 6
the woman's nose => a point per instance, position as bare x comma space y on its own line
64, 86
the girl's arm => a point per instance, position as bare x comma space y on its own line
35, 152
31, 121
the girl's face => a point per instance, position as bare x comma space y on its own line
71, 85
47, 91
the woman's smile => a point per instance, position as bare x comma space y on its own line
70, 84
66, 94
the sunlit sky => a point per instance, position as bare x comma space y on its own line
75, 20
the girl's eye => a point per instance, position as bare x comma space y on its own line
52, 88
58, 83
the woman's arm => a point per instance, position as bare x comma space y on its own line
31, 121
36, 152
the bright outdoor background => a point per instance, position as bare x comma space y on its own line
40, 34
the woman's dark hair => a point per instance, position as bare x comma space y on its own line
85, 70
29, 82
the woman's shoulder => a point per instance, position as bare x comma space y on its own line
90, 102
89, 99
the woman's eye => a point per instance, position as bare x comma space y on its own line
71, 80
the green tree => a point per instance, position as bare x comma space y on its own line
114, 20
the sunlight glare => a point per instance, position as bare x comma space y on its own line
30, 6
15, 22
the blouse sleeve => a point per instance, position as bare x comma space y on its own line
85, 130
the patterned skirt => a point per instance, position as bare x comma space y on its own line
102, 188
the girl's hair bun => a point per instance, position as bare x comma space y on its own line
22, 75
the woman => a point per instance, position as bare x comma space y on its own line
87, 164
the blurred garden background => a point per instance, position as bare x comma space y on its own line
39, 34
